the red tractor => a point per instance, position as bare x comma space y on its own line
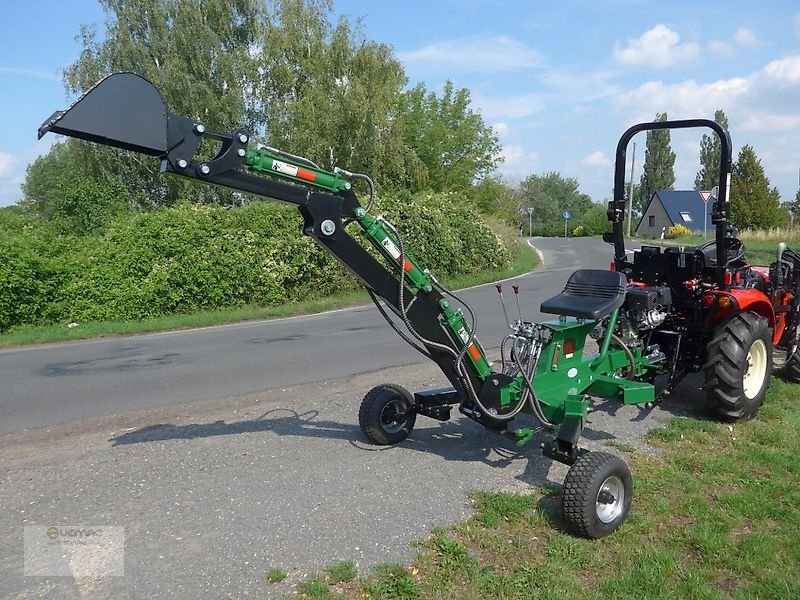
706, 308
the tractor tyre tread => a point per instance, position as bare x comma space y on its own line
580, 489
371, 411
726, 354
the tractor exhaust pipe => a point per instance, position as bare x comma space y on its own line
123, 110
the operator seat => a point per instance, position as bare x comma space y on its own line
589, 294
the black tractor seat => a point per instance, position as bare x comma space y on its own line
589, 294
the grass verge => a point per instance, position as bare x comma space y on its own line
760, 247
716, 515
525, 259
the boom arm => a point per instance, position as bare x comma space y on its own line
126, 111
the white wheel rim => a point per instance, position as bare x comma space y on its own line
755, 369
610, 499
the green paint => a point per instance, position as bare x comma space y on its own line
460, 333
279, 166
375, 231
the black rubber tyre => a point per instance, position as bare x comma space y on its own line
738, 367
792, 369
387, 414
596, 495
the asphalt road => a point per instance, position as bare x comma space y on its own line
213, 488
59, 383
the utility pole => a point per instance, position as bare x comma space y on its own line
630, 190
530, 221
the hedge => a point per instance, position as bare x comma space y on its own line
193, 257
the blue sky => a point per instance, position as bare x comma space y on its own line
559, 81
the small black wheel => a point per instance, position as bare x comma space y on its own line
738, 367
387, 414
596, 495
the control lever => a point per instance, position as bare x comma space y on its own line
503, 303
516, 296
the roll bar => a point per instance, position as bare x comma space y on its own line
720, 209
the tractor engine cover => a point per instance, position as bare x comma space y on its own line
648, 306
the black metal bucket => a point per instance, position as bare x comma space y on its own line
123, 110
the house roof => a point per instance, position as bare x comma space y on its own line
684, 207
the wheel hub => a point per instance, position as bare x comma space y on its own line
610, 499
755, 369
393, 416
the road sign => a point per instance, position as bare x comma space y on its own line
706, 196
567, 215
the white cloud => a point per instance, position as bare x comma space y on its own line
517, 162
745, 37
475, 54
36, 73
761, 109
510, 107
720, 48
501, 129
596, 159
7, 162
657, 48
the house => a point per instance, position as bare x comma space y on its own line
667, 208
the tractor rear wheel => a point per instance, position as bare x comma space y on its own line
738, 367
387, 414
596, 495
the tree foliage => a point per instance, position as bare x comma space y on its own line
331, 95
755, 203
198, 52
287, 71
550, 195
658, 172
452, 141
710, 155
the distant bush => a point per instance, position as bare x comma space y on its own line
677, 231
190, 257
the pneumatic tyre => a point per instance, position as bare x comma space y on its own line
792, 369
387, 414
738, 367
596, 495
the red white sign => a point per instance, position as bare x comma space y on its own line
706, 196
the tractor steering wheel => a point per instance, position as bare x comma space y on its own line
736, 250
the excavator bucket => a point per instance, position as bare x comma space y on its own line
122, 110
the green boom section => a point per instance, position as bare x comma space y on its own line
264, 162
377, 233
457, 326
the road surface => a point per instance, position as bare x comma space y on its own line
59, 383
228, 451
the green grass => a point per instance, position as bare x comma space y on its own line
275, 575
341, 572
715, 516
525, 260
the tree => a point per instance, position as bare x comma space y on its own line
755, 204
550, 195
493, 196
595, 220
452, 141
659, 162
198, 53
333, 95
710, 155
794, 206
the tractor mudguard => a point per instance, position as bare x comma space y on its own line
754, 301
